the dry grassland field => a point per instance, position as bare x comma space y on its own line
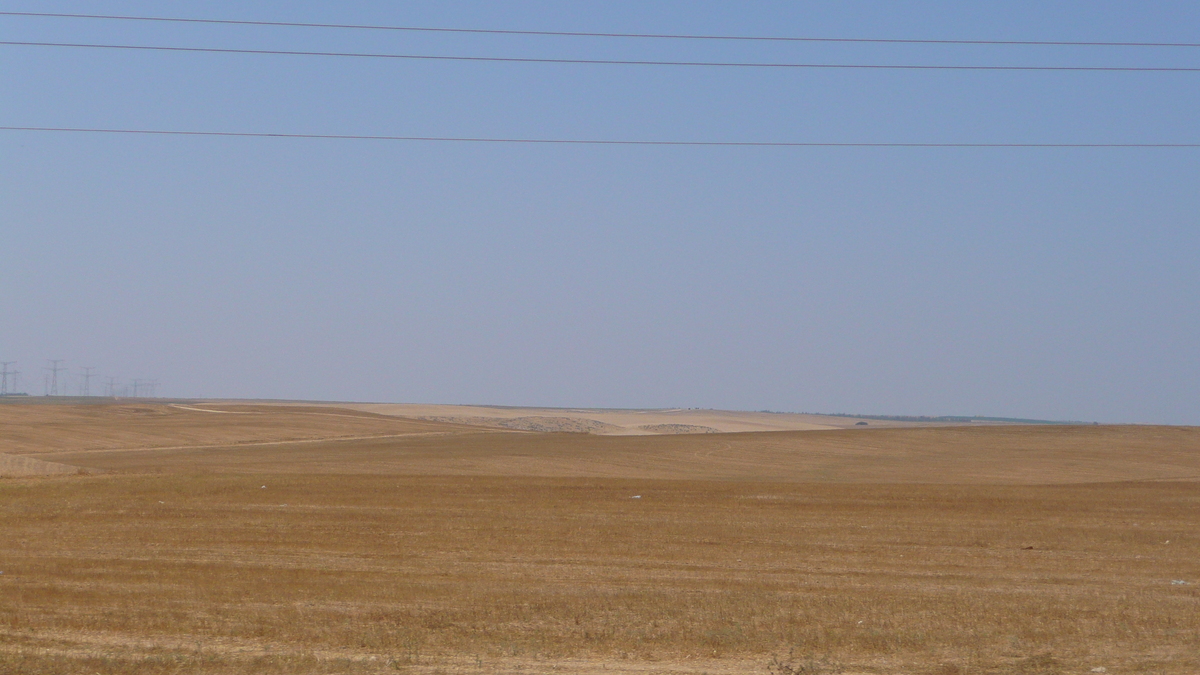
201, 538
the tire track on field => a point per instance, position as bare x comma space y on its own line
249, 444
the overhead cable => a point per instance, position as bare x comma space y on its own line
657, 36
578, 141
603, 62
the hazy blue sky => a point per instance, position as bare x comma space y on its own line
1010, 282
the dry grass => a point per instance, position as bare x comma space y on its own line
351, 561
220, 569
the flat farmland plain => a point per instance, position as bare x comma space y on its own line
448, 550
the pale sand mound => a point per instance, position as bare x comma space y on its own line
678, 429
12, 466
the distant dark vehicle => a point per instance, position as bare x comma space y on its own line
860, 424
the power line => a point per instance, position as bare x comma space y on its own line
5, 373
52, 382
599, 62
578, 141
86, 388
143, 388
655, 36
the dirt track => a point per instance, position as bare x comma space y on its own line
36, 429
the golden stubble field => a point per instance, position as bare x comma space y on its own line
556, 553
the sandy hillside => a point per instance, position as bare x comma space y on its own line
623, 422
308, 439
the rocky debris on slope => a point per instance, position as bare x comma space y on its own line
571, 425
678, 429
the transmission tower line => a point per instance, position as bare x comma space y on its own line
55, 369
85, 389
4, 375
